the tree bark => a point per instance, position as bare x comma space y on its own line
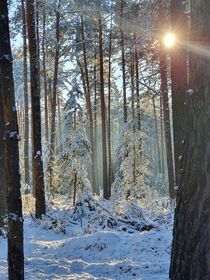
45, 78
95, 119
191, 238
59, 121
36, 113
3, 194
75, 188
134, 123
26, 110
137, 84
55, 81
166, 121
179, 24
162, 136
54, 97
157, 135
75, 172
125, 110
37, 34
110, 172
14, 203
106, 189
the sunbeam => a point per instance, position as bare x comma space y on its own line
196, 48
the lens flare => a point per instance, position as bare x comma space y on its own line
169, 40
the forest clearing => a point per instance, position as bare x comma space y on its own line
66, 246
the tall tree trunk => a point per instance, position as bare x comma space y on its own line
106, 188
14, 203
110, 172
191, 238
36, 113
45, 77
37, 34
166, 119
89, 110
125, 110
95, 120
55, 80
137, 83
157, 135
25, 81
49, 97
179, 23
59, 122
75, 188
54, 97
3, 194
162, 136
134, 123
75, 172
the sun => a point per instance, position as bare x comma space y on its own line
169, 40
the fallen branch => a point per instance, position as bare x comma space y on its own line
34, 219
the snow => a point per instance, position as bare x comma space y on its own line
7, 57
190, 91
14, 135
53, 254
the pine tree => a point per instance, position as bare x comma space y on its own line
179, 24
2, 167
26, 102
14, 203
191, 239
38, 173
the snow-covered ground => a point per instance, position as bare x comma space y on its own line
101, 254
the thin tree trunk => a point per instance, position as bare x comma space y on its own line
167, 126
75, 172
157, 135
45, 78
162, 136
137, 84
75, 188
36, 113
37, 34
25, 81
134, 122
95, 121
49, 96
55, 81
110, 172
106, 189
54, 97
14, 203
123, 64
59, 122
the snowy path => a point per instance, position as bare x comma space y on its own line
101, 255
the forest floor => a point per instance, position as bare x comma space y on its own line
60, 247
